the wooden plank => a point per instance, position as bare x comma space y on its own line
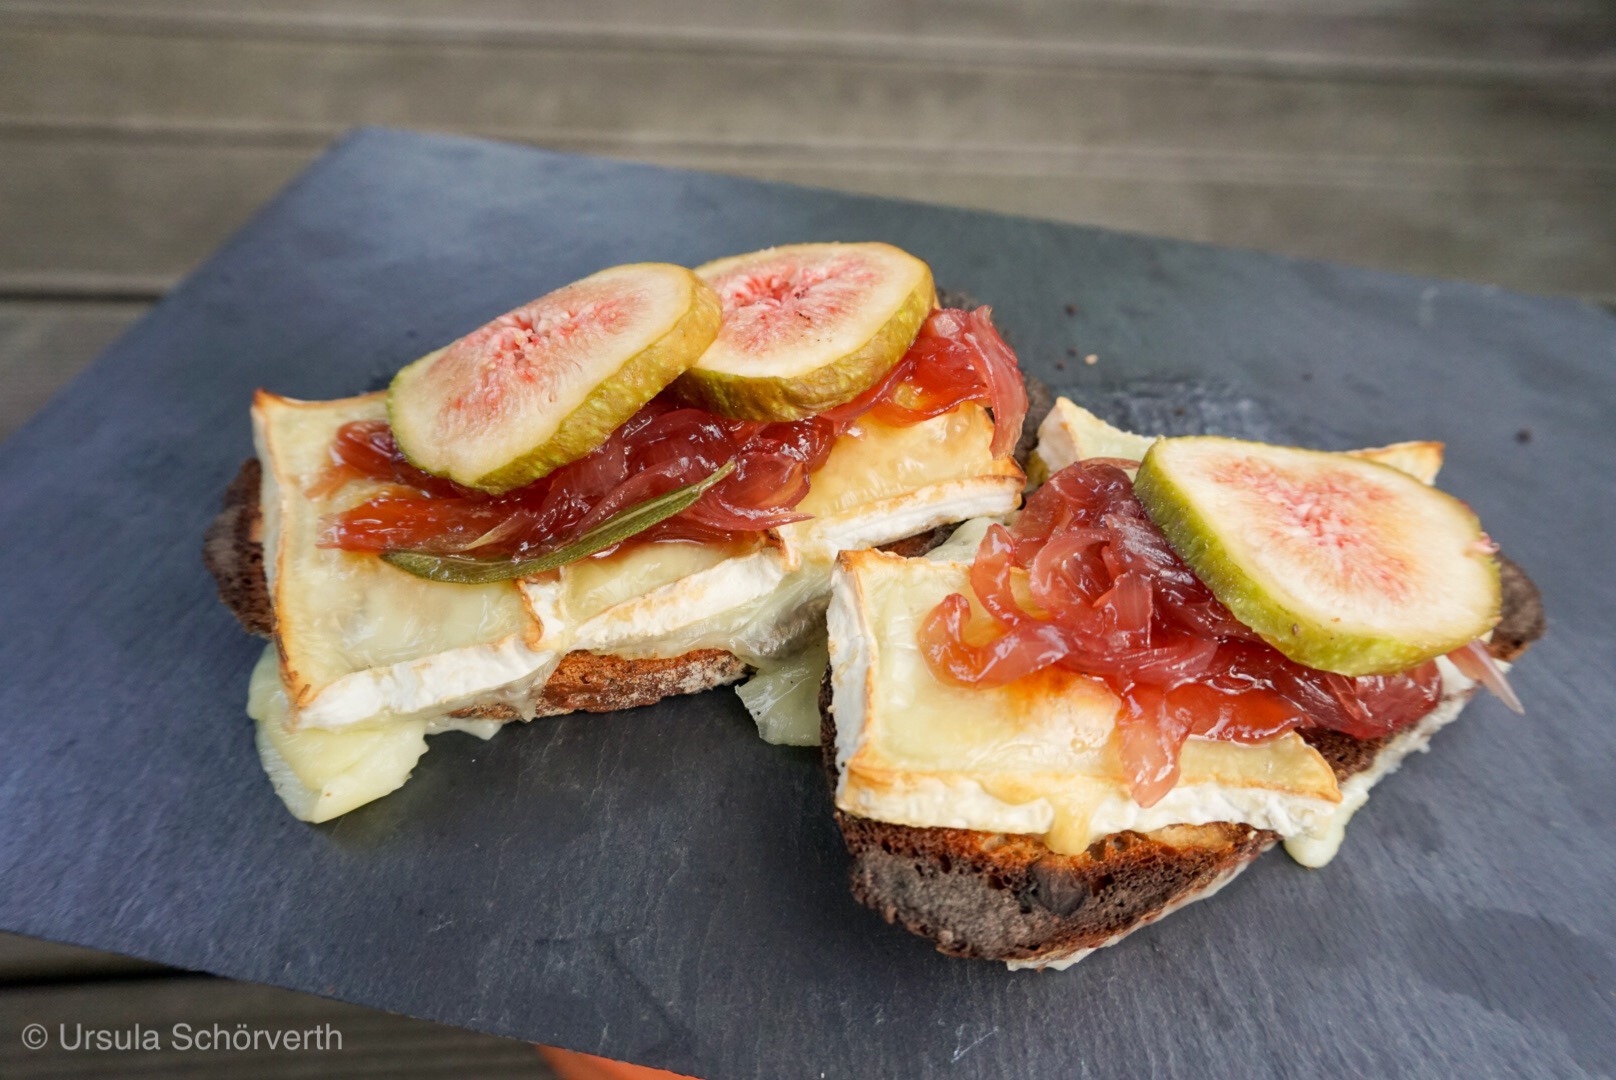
43, 344
1546, 229
95, 216
26, 960
1560, 242
549, 88
1502, 39
134, 138
365, 1043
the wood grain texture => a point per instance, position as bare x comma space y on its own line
92, 217
1501, 39
570, 83
1546, 229
1463, 140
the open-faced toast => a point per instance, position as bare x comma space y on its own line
920, 758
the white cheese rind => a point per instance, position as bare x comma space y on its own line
850, 648
783, 697
949, 801
360, 641
1069, 433
895, 519
431, 686
670, 611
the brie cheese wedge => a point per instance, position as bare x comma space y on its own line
370, 649
1036, 757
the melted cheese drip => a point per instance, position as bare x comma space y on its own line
320, 775
783, 697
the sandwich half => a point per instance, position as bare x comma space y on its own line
630, 488
1033, 814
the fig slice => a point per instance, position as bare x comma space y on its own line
807, 327
547, 383
1340, 563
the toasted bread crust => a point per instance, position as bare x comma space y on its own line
592, 682
233, 552
1011, 898
1522, 618
1008, 897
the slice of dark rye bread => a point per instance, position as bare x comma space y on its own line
232, 550
1008, 897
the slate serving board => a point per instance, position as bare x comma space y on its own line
661, 886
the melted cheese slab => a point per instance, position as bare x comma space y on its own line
1038, 756
656, 599
369, 648
359, 640
321, 774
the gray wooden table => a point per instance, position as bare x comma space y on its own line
1463, 138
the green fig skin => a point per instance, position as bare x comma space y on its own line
874, 300
1323, 644
602, 411
778, 398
